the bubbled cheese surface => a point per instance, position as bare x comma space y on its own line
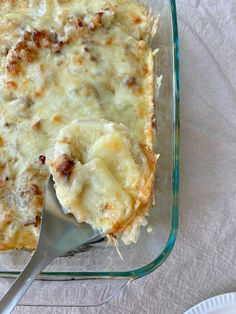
64, 60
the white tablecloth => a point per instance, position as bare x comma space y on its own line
203, 263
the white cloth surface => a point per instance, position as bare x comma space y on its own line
203, 262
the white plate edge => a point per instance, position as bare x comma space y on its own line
213, 303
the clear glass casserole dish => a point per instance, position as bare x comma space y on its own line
99, 269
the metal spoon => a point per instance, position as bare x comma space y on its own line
59, 234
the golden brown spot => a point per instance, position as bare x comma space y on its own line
138, 91
42, 67
142, 45
120, 225
22, 239
133, 56
109, 41
114, 145
117, 227
38, 202
79, 60
13, 67
35, 189
141, 111
19, 55
109, 87
63, 1
148, 134
41, 39
9, 216
93, 58
65, 140
11, 85
26, 50
135, 19
96, 21
107, 207
2, 165
45, 39
145, 70
1, 141
2, 183
41, 176
38, 94
131, 82
36, 125
57, 118
150, 155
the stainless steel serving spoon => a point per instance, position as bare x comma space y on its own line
59, 234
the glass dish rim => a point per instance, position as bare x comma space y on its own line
150, 267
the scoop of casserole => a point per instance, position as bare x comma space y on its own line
103, 176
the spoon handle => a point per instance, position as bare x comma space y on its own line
22, 283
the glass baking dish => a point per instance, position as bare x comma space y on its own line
98, 268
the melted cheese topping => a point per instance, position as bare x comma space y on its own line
63, 60
102, 175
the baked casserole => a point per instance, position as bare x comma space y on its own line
76, 93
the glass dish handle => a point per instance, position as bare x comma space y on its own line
71, 293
